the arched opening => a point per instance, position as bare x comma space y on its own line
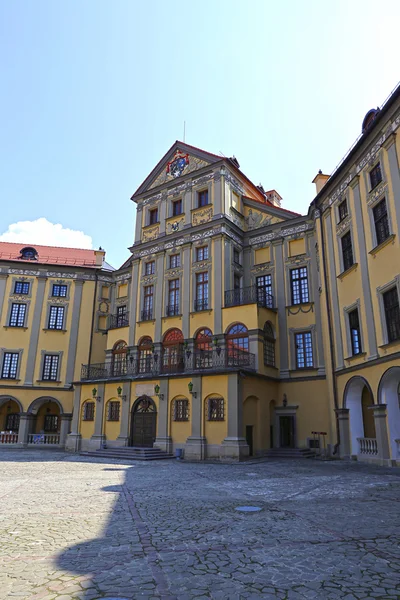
358, 399
237, 343
143, 423
272, 423
203, 348
389, 394
46, 423
269, 345
145, 354
119, 359
10, 410
251, 423
173, 360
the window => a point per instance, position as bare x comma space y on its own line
153, 216
150, 268
347, 251
50, 367
202, 198
50, 424
299, 285
28, 253
264, 290
173, 361
203, 348
10, 365
145, 354
215, 409
173, 297
12, 422
17, 316
122, 316
201, 253
174, 261
113, 411
201, 302
237, 342
236, 256
177, 208
237, 281
355, 334
181, 410
392, 314
381, 222
59, 291
118, 365
88, 411
21, 287
147, 312
304, 352
375, 176
343, 210
56, 317
269, 345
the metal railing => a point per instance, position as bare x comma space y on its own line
147, 315
367, 446
172, 310
8, 438
200, 305
117, 321
249, 295
44, 438
213, 360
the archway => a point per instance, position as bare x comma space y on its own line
358, 398
173, 361
272, 434
143, 423
46, 411
119, 359
251, 423
10, 410
389, 394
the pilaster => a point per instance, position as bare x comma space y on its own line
98, 438
123, 438
73, 441
138, 223
343, 417
3, 284
159, 300
381, 431
25, 425
390, 146
186, 287
195, 447
334, 297
134, 290
66, 419
73, 337
35, 328
217, 283
163, 439
281, 306
234, 446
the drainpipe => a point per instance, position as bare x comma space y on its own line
93, 313
330, 329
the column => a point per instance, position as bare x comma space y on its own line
195, 447
3, 283
317, 306
344, 432
163, 214
98, 438
25, 425
133, 303
138, 224
35, 329
381, 431
163, 439
334, 297
234, 446
186, 287
394, 173
73, 338
73, 442
123, 437
159, 300
66, 419
217, 283
281, 306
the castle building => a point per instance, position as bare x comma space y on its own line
236, 327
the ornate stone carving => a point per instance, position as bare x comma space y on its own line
203, 180
151, 200
261, 268
176, 225
297, 260
256, 219
150, 233
104, 307
200, 266
343, 225
171, 273
202, 215
148, 279
375, 194
194, 164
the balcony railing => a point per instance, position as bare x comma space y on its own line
147, 315
368, 446
249, 295
169, 363
200, 305
8, 438
117, 321
52, 439
172, 310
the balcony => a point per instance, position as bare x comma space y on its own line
117, 321
249, 295
217, 360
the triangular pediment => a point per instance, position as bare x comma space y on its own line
180, 160
256, 214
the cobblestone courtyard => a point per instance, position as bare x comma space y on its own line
73, 528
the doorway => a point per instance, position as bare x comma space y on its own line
286, 430
144, 423
249, 438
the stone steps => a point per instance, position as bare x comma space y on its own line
129, 453
291, 453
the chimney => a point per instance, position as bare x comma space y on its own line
320, 180
100, 254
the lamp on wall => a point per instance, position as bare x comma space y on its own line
157, 392
120, 395
190, 388
94, 394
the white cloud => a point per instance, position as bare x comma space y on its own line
42, 232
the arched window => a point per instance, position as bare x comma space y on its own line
119, 359
203, 348
237, 342
28, 253
269, 345
215, 408
145, 354
173, 361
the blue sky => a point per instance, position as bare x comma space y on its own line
95, 92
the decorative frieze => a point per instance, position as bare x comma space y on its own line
279, 233
203, 180
375, 194
261, 268
172, 273
300, 259
343, 225
202, 215
150, 233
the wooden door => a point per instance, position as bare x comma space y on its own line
143, 430
286, 432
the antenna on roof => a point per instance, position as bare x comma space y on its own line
184, 130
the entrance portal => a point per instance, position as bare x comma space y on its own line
249, 438
144, 423
286, 429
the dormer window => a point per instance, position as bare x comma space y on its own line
28, 253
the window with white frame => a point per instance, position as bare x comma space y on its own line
59, 290
17, 315
21, 288
392, 314
347, 251
304, 350
355, 332
299, 285
10, 365
381, 221
56, 317
50, 367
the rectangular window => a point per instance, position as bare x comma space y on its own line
177, 208
201, 253
88, 411
304, 352
150, 268
147, 313
202, 198
392, 314
21, 287
173, 297
264, 290
236, 256
343, 211
375, 176
50, 367
216, 409
347, 251
174, 261
381, 222
181, 410
355, 334
56, 317
10, 365
153, 216
17, 316
59, 291
201, 302
122, 320
113, 411
50, 424
299, 285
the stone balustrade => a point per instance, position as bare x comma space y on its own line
368, 446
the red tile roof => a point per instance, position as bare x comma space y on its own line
51, 255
